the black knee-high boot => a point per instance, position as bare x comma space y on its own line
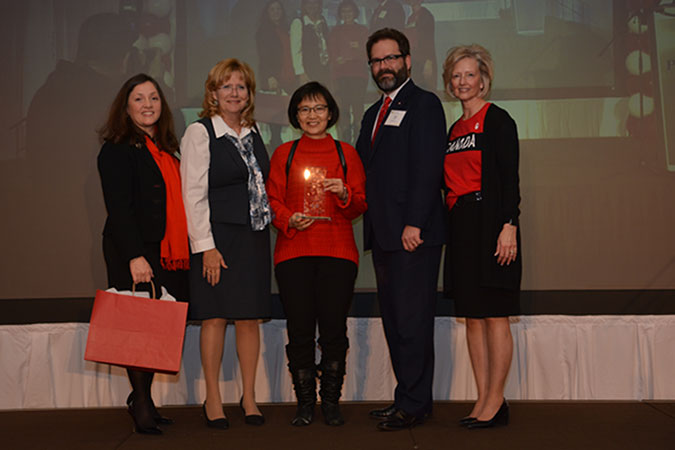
140, 402
304, 383
332, 376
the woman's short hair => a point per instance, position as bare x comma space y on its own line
312, 90
477, 52
119, 127
218, 75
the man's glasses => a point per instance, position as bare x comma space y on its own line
387, 59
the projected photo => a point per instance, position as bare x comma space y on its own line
589, 84
565, 63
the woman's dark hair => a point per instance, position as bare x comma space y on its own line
389, 33
266, 24
347, 4
312, 90
120, 128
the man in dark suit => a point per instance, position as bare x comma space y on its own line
402, 145
388, 14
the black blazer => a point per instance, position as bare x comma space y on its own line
501, 198
404, 170
135, 197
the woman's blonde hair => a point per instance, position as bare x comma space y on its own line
218, 75
477, 52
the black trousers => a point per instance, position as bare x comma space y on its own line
316, 290
407, 291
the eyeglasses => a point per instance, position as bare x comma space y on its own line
318, 109
228, 88
387, 59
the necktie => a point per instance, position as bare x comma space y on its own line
380, 116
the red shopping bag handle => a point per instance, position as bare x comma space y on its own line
133, 289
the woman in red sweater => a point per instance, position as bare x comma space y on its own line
316, 259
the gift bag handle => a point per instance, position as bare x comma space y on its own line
133, 289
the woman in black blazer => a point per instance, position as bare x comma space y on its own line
145, 234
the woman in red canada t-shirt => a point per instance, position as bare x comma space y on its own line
482, 265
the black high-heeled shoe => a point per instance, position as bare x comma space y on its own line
142, 425
160, 419
251, 419
221, 424
501, 417
464, 421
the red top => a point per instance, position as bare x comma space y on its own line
463, 157
287, 74
345, 47
333, 238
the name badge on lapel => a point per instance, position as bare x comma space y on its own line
395, 118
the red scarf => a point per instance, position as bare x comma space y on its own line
175, 252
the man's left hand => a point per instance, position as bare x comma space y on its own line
411, 238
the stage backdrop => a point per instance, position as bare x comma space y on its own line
584, 80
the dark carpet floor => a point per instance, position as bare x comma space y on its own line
541, 425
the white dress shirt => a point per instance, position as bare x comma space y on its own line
194, 172
392, 96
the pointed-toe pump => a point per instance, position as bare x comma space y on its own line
221, 424
143, 421
160, 419
464, 421
501, 418
251, 419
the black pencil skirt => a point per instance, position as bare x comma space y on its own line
463, 269
244, 290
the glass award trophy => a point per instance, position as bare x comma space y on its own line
314, 204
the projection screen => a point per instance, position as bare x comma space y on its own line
589, 83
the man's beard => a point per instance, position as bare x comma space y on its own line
391, 84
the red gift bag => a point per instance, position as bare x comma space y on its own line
136, 332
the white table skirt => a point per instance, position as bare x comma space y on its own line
554, 358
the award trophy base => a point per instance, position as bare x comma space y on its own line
305, 216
